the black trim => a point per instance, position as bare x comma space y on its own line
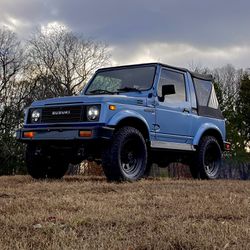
63, 125
201, 76
210, 112
99, 132
128, 66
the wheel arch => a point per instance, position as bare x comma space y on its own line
130, 118
209, 131
136, 123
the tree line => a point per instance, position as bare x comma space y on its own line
58, 62
53, 62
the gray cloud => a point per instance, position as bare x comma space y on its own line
182, 55
139, 26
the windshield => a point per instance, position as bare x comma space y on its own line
114, 81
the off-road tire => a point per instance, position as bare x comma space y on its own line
119, 162
57, 168
41, 167
207, 160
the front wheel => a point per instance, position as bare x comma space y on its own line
126, 157
41, 166
207, 160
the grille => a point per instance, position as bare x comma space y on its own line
62, 114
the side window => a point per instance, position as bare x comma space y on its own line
213, 102
203, 90
206, 94
177, 79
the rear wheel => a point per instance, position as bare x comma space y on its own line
126, 157
207, 160
41, 166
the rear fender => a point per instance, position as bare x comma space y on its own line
205, 127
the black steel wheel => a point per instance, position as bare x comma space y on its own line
36, 165
126, 157
57, 168
208, 159
41, 166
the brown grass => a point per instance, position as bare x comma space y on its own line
89, 213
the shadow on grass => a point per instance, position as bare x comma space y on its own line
229, 169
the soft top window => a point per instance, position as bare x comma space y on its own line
205, 93
207, 101
213, 102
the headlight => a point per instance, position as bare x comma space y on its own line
36, 115
93, 113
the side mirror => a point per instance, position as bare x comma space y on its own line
167, 90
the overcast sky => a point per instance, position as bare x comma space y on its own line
208, 33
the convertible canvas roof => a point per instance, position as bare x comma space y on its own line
193, 74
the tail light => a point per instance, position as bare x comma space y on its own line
227, 146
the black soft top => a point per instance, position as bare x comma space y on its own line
193, 74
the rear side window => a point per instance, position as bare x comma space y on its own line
177, 79
207, 101
205, 93
213, 102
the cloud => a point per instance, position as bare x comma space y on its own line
183, 55
177, 31
50, 28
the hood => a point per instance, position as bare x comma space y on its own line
140, 99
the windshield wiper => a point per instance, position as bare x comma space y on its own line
102, 91
129, 89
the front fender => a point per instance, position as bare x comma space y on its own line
123, 114
202, 130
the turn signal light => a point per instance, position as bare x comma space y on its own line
112, 107
29, 134
85, 133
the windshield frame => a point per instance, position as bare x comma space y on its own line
85, 90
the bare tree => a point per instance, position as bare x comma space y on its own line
229, 80
11, 64
54, 63
13, 93
61, 61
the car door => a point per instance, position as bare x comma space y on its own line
173, 121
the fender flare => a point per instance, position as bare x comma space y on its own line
121, 115
205, 127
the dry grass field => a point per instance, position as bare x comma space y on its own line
89, 213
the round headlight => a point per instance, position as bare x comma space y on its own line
36, 115
93, 113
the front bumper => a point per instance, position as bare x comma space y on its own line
64, 133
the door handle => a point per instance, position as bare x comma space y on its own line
185, 110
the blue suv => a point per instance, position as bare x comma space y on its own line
128, 118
